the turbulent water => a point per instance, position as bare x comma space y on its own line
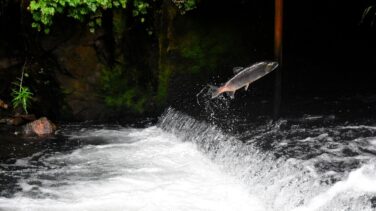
307, 163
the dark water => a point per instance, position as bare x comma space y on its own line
302, 162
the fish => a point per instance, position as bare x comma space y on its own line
244, 77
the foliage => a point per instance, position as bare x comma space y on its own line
204, 50
163, 82
185, 5
21, 95
118, 92
43, 11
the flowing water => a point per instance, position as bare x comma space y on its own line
181, 163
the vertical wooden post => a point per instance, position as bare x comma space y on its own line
278, 20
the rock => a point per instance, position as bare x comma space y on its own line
82, 79
4, 121
3, 104
16, 120
6, 63
39, 127
26, 117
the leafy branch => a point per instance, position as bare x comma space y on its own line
185, 5
21, 94
43, 11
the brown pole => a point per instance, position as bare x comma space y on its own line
278, 20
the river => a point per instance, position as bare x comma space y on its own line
181, 163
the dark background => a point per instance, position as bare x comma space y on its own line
326, 46
327, 50
329, 59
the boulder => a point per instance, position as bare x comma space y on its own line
26, 117
14, 121
3, 104
18, 119
6, 63
81, 79
4, 121
39, 127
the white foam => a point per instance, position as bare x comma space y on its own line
158, 172
360, 180
358, 127
372, 141
311, 117
281, 183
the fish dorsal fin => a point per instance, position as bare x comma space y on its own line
237, 70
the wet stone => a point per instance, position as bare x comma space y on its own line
3, 105
39, 127
373, 202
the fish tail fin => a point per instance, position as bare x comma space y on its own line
215, 91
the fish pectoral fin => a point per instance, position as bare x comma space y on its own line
246, 87
236, 70
231, 94
214, 91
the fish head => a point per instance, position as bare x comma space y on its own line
270, 66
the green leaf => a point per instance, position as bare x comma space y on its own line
98, 21
33, 5
44, 11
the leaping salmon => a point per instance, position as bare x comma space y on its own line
244, 77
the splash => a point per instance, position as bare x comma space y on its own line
217, 108
288, 182
308, 163
124, 169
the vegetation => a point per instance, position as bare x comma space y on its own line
122, 83
185, 5
118, 91
203, 53
21, 94
44, 11
119, 84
